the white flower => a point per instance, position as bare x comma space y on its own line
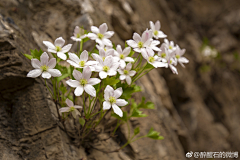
107, 67
100, 35
82, 62
44, 67
148, 54
78, 34
111, 100
71, 108
103, 54
156, 30
83, 82
127, 73
140, 43
178, 55
122, 55
58, 47
105, 48
169, 45
170, 57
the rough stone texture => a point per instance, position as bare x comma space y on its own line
195, 110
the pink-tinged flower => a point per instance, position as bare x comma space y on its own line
169, 45
140, 43
127, 73
178, 55
103, 54
123, 56
170, 57
111, 100
82, 62
58, 47
71, 108
44, 67
107, 67
78, 34
156, 30
152, 59
83, 82
105, 48
101, 35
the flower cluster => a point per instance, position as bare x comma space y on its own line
109, 61
105, 76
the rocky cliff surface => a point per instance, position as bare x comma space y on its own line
197, 110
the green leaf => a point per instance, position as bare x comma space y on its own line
28, 56
111, 81
63, 89
62, 77
136, 131
148, 105
137, 113
123, 118
36, 54
82, 121
148, 66
154, 134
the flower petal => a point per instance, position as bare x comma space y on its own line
117, 110
157, 25
64, 109
136, 37
107, 42
59, 42
118, 92
103, 28
46, 75
126, 51
106, 105
132, 73
112, 72
36, 63
34, 73
52, 50
77, 107
49, 45
44, 58
62, 55
119, 49
109, 91
52, 63
69, 103
108, 34
87, 73
128, 80
102, 74
89, 63
66, 48
55, 72
152, 26
122, 77
94, 81
78, 91
73, 83
77, 74
73, 64
121, 102
84, 56
90, 90
74, 57
132, 43
94, 29
92, 36
129, 66
122, 64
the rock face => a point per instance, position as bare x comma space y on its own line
197, 110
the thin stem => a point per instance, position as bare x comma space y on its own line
84, 103
143, 75
81, 47
48, 88
128, 130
